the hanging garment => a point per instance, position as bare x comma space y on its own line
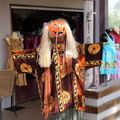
32, 41
116, 37
116, 76
13, 44
109, 57
61, 86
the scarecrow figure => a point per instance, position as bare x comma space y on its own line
61, 64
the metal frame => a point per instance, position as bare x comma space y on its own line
44, 8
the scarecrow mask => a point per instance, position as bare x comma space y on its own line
57, 29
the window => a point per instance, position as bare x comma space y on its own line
113, 13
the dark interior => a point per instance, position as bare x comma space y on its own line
27, 21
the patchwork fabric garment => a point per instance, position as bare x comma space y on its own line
109, 57
61, 86
13, 44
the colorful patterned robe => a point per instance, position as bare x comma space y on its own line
61, 86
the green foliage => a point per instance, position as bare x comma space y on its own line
114, 15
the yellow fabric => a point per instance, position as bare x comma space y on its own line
12, 45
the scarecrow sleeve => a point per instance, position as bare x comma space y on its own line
25, 60
92, 54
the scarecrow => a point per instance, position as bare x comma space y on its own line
59, 64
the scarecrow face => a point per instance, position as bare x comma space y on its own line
57, 29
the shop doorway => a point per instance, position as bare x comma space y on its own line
27, 21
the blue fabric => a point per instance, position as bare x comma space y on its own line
109, 65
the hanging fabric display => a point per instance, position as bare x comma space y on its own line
109, 57
61, 64
116, 76
32, 41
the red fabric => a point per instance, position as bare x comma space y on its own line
32, 41
116, 37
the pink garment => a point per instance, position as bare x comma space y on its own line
32, 41
116, 76
37, 41
116, 37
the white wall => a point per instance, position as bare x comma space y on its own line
52, 3
4, 31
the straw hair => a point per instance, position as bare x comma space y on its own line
70, 42
45, 46
45, 49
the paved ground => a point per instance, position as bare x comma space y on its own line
31, 111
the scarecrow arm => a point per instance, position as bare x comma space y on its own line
90, 54
25, 60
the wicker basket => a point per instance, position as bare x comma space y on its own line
7, 78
